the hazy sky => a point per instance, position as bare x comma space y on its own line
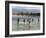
26, 9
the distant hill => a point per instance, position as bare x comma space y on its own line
25, 11
29, 14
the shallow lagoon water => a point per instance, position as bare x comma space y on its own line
23, 26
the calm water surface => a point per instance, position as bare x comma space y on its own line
25, 23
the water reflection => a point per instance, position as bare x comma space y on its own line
26, 23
